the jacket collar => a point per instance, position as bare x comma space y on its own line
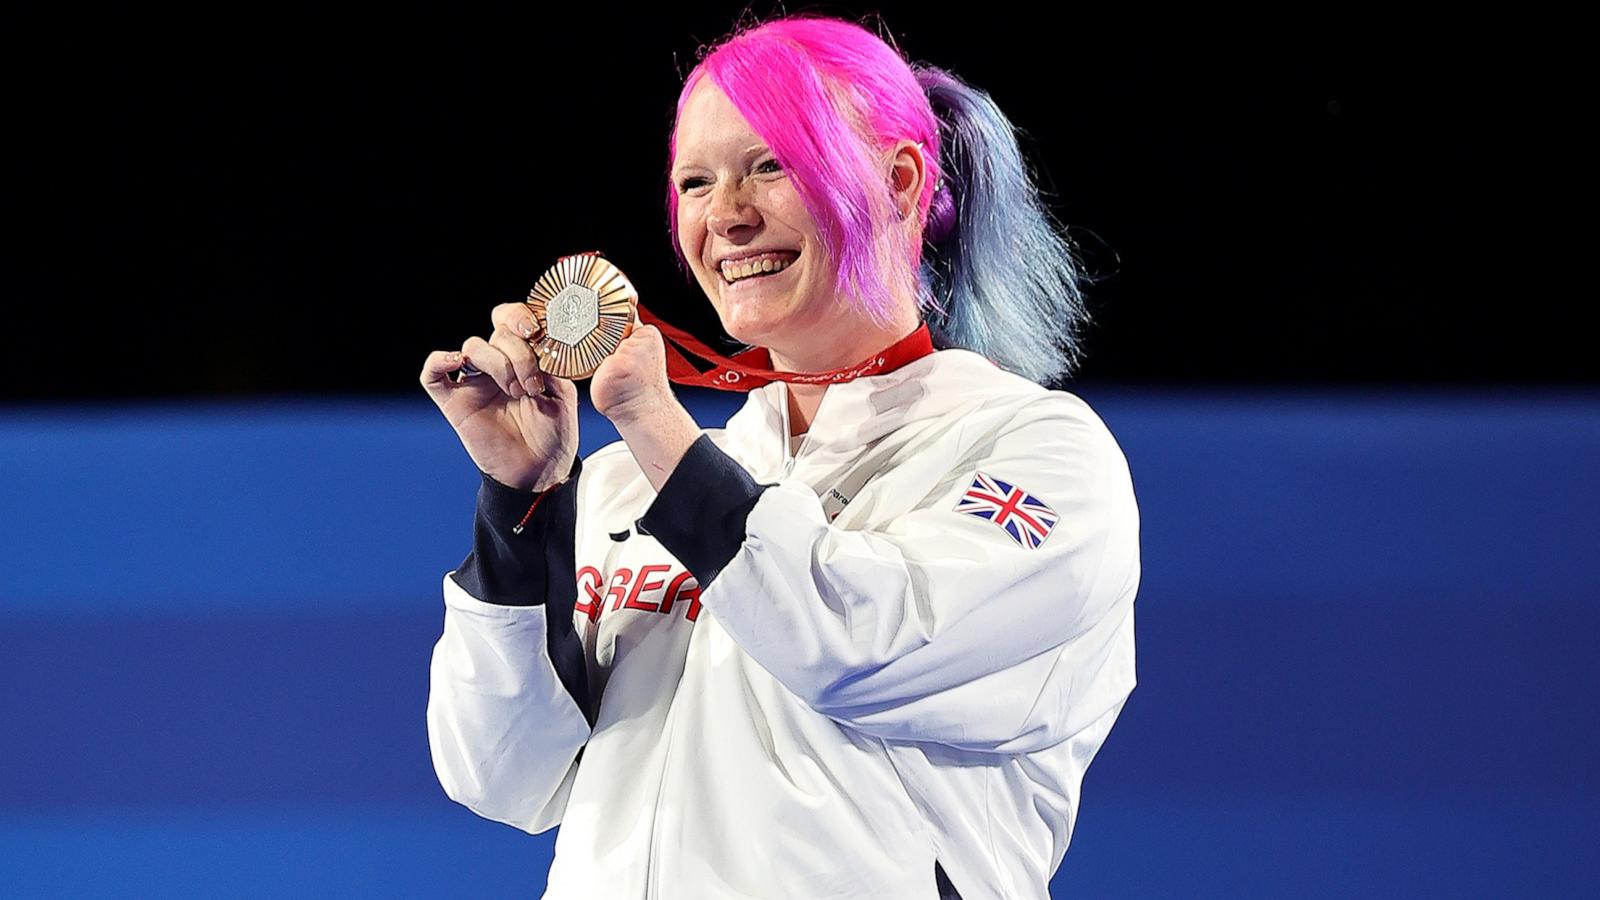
856, 414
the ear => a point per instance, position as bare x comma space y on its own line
908, 168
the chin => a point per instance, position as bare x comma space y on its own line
765, 318
757, 332
745, 327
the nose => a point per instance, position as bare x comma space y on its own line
730, 211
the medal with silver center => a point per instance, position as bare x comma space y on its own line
584, 307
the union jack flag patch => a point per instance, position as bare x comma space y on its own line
1023, 516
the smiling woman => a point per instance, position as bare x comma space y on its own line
746, 234
873, 663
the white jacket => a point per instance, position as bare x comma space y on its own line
810, 675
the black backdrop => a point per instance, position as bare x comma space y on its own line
264, 201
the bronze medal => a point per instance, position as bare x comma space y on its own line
584, 307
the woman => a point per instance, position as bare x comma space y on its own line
864, 640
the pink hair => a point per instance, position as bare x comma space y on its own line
830, 98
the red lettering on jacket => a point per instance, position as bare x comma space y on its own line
629, 590
677, 592
619, 587
589, 580
643, 583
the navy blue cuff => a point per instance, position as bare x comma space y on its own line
527, 568
700, 513
532, 567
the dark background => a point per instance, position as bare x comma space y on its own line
273, 201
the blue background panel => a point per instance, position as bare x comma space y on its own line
1367, 637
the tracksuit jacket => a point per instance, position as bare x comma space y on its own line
876, 665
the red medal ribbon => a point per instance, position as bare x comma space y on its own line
752, 368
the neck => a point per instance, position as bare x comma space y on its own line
840, 337
803, 402
849, 340
854, 345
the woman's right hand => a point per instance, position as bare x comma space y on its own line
519, 424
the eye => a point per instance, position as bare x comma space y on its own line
770, 166
692, 182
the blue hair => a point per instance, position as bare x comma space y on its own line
998, 276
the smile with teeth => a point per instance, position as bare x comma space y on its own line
755, 266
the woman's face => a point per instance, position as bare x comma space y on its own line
744, 231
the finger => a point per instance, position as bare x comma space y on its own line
516, 318
493, 363
558, 390
523, 360
437, 367
645, 334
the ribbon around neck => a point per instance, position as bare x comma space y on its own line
752, 368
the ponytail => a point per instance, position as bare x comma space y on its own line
998, 276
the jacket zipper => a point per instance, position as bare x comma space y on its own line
789, 459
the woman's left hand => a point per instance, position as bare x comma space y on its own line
632, 381
632, 390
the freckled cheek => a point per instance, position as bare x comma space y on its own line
691, 238
794, 223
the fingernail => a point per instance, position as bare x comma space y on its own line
527, 328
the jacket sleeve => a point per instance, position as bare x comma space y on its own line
508, 711
941, 625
